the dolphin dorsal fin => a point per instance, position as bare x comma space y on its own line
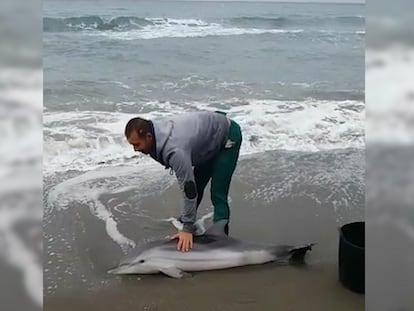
217, 228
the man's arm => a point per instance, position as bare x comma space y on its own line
181, 163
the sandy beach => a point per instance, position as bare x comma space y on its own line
266, 287
276, 197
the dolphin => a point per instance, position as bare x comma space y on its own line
212, 250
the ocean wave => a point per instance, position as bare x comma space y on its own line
88, 140
125, 23
120, 23
93, 23
130, 27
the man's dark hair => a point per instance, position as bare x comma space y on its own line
141, 126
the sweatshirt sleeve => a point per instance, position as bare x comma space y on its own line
181, 163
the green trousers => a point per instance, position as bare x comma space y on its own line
220, 170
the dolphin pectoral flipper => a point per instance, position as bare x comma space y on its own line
175, 272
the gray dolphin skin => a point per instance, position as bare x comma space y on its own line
212, 250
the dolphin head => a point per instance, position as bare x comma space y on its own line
139, 267
140, 262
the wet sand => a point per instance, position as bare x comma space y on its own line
268, 287
308, 213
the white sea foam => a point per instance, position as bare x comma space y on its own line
20, 173
87, 188
390, 95
182, 28
88, 140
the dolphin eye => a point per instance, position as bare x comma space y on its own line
141, 261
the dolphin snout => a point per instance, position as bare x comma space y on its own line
115, 270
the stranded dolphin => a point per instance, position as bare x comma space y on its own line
212, 250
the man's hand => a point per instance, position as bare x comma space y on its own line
185, 241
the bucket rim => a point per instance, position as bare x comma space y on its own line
346, 240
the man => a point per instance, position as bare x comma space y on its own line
209, 142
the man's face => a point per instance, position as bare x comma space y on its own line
141, 144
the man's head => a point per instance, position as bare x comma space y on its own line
139, 135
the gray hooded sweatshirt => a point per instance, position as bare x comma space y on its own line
188, 140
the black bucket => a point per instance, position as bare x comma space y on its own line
352, 256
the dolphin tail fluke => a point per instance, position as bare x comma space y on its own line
297, 254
